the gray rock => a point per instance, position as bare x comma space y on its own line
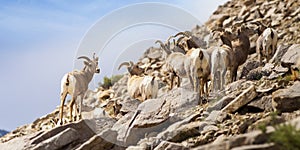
209, 128
59, 140
104, 140
267, 146
281, 50
153, 115
216, 116
263, 103
259, 72
292, 56
236, 141
245, 97
165, 145
188, 130
221, 103
287, 100
129, 105
173, 131
248, 67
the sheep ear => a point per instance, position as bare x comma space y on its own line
201, 55
86, 63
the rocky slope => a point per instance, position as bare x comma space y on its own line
262, 98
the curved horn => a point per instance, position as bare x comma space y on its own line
123, 64
160, 42
162, 45
131, 63
179, 39
182, 33
84, 57
170, 38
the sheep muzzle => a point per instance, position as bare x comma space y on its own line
97, 70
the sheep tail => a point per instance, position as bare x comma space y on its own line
67, 81
272, 34
152, 81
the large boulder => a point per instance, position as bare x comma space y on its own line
292, 56
245, 97
287, 100
153, 115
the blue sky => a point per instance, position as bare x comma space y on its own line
39, 41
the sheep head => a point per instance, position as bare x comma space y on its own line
91, 65
132, 68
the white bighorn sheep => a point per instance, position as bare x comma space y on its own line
186, 66
220, 60
266, 44
201, 63
76, 84
138, 87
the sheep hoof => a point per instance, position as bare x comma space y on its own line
59, 123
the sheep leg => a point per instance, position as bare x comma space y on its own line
172, 80
193, 82
62, 102
202, 87
76, 111
71, 107
234, 73
80, 106
206, 88
223, 79
259, 54
179, 81
197, 84
213, 82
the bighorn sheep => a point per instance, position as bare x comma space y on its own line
138, 87
170, 47
221, 57
201, 61
189, 41
76, 84
132, 68
266, 44
240, 49
187, 66
220, 60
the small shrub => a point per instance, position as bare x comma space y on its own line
108, 82
116, 78
288, 78
262, 127
286, 137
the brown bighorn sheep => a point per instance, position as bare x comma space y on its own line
134, 69
189, 41
240, 49
266, 44
76, 84
141, 88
